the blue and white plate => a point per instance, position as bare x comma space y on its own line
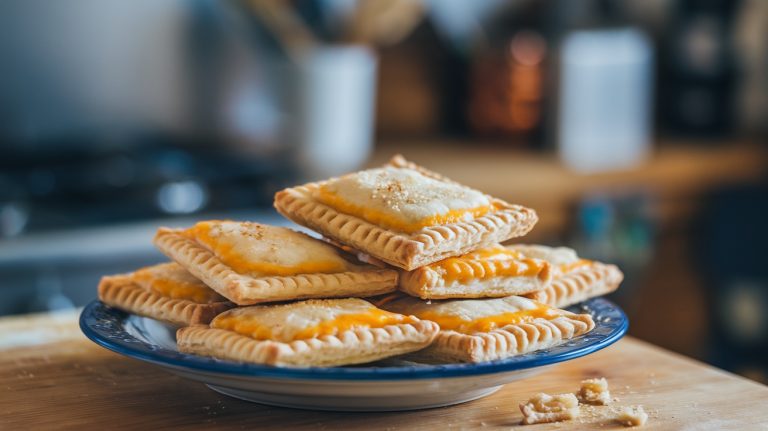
382, 386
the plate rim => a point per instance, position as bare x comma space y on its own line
178, 360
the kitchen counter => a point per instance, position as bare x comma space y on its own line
54, 378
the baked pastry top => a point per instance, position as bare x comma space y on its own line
403, 214
481, 315
402, 199
494, 271
250, 263
306, 319
257, 249
308, 333
475, 330
574, 279
165, 292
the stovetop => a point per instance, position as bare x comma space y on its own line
68, 186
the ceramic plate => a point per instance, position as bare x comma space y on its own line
383, 386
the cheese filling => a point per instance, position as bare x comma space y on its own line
259, 250
172, 281
307, 319
471, 316
489, 323
580, 264
402, 199
563, 258
490, 262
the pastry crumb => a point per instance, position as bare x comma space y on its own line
632, 416
544, 408
595, 391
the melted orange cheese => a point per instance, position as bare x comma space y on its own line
489, 323
176, 289
488, 263
388, 221
225, 252
372, 318
579, 264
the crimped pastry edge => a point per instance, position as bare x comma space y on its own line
355, 346
576, 286
121, 292
428, 283
511, 340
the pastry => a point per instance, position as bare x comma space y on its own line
595, 391
574, 279
476, 330
164, 292
490, 272
321, 333
251, 263
545, 408
632, 416
403, 214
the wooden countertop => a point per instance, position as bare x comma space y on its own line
54, 378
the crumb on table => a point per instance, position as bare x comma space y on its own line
632, 416
595, 391
544, 408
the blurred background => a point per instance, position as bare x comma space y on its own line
637, 129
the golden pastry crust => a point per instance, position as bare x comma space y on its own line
356, 345
242, 289
123, 292
594, 279
405, 250
542, 330
492, 272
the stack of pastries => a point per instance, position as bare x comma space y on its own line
425, 253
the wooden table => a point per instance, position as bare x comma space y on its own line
54, 378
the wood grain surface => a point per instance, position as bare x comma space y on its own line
70, 383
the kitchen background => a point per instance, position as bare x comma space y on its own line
637, 129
